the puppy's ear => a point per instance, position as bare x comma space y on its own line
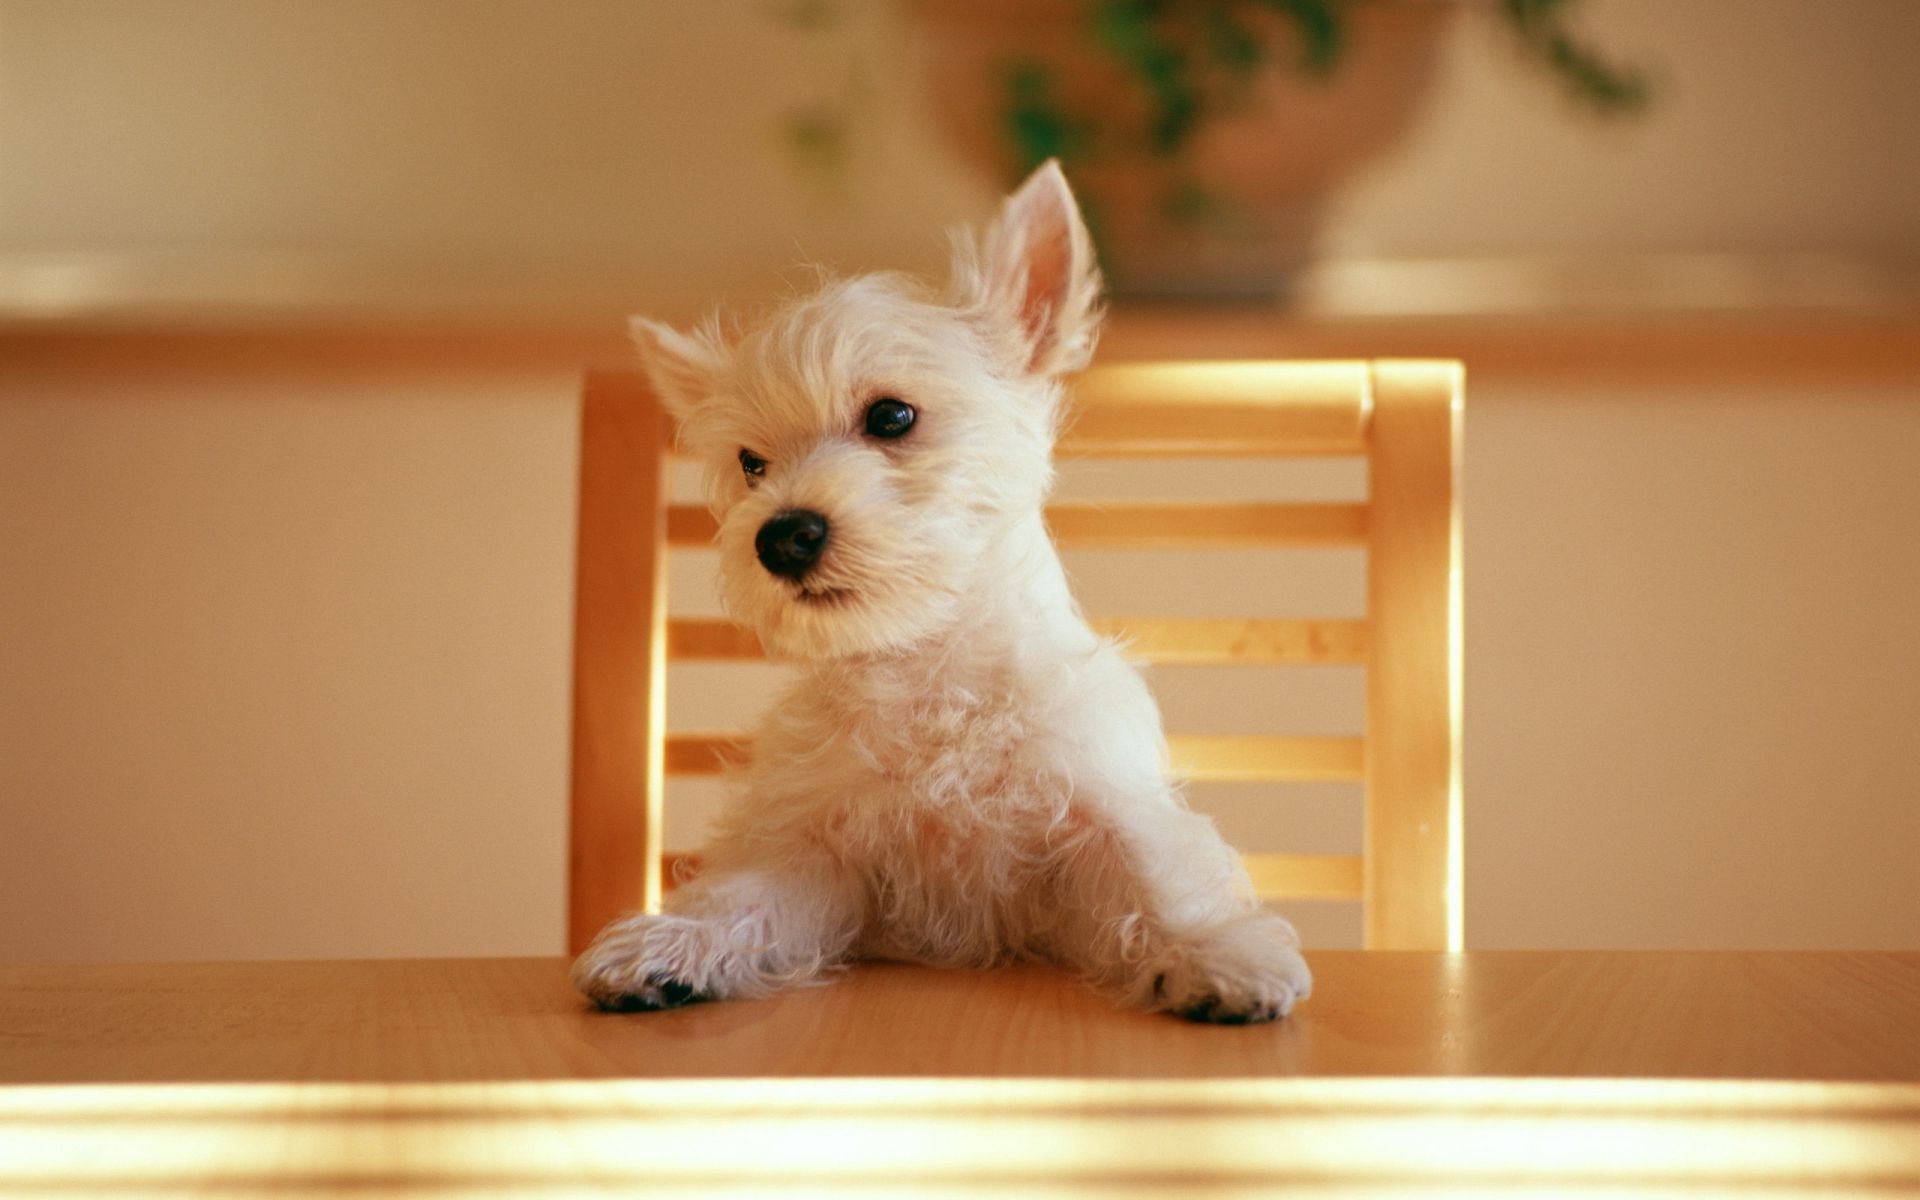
1034, 275
684, 367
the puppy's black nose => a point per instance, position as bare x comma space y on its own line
791, 543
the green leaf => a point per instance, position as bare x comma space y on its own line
817, 139
1323, 32
1233, 45
1584, 74
1035, 126
812, 16
1124, 29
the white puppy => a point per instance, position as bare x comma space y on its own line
962, 773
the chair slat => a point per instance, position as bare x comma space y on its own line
1275, 876
1200, 526
712, 640
619, 676
689, 525
1214, 409
1205, 757
1147, 526
1233, 641
1251, 758
1415, 899
1307, 876
1248, 409
1166, 641
703, 753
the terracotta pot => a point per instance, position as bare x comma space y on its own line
1266, 170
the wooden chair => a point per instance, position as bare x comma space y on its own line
1404, 417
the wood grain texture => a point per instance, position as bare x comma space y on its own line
704, 753
1260, 757
712, 640
1237, 641
1813, 1016
1245, 408
619, 658
1165, 525
1202, 757
1274, 876
1306, 876
1414, 705
1537, 352
1177, 525
1164, 641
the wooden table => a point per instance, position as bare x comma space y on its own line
1404, 1074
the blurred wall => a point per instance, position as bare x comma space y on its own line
1779, 125
283, 660
1692, 664
601, 138
283, 641
503, 139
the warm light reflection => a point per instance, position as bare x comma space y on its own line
654, 845
1189, 407
1456, 696
1038, 1136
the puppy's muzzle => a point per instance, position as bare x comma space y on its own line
792, 542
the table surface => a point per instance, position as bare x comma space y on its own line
1652, 1073
1828, 1016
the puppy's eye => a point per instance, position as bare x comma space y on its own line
752, 464
889, 418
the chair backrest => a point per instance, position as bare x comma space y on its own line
1402, 417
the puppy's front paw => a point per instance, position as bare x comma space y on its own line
1240, 973
655, 993
644, 964
1227, 997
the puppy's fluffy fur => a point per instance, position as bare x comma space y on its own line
962, 773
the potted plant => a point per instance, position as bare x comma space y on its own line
1208, 136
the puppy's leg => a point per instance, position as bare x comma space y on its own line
1161, 915
738, 931
1234, 971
